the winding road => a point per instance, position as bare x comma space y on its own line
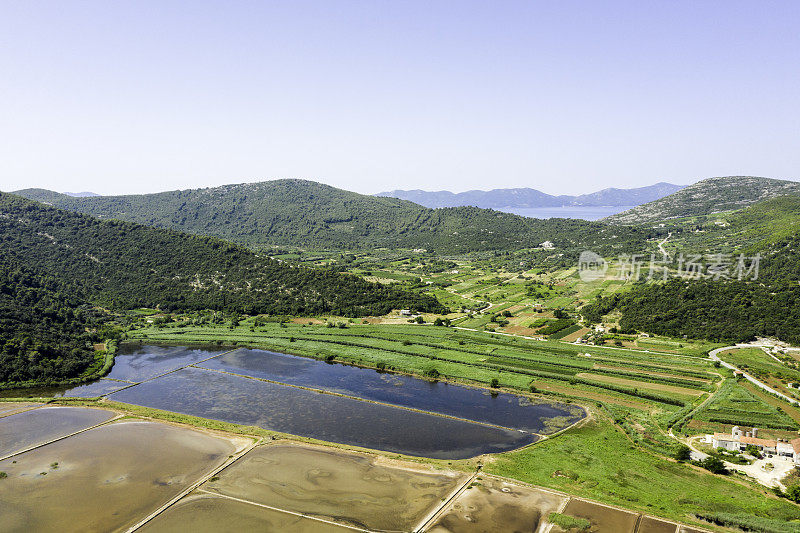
713, 354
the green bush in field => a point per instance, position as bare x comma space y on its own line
556, 325
715, 465
431, 372
566, 331
539, 322
568, 523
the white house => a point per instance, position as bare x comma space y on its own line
738, 440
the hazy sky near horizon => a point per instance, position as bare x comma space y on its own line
562, 96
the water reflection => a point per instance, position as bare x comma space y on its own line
506, 410
29, 428
167, 381
240, 400
136, 363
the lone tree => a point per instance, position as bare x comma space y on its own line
715, 465
682, 453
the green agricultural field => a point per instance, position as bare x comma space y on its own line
735, 405
655, 388
679, 346
598, 461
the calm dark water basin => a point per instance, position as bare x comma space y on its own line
502, 409
137, 363
217, 383
240, 400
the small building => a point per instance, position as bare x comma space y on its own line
405, 312
738, 440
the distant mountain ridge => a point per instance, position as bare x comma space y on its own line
532, 198
313, 215
708, 196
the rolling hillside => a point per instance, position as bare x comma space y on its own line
526, 197
707, 196
127, 265
312, 215
726, 309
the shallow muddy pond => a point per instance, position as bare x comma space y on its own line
205, 513
355, 489
603, 519
8, 408
495, 505
648, 524
22, 430
502, 409
250, 402
104, 479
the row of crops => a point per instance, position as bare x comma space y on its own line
643, 374
736, 405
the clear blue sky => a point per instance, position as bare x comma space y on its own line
126, 97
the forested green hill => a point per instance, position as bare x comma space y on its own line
127, 265
43, 326
313, 215
726, 311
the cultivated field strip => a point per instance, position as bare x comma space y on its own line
661, 381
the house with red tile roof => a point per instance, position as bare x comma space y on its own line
738, 440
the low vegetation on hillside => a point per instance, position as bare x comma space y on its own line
127, 265
708, 196
727, 310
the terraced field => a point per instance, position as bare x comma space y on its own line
738, 404
646, 391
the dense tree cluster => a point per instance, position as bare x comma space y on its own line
43, 326
54, 265
733, 311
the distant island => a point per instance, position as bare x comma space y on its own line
532, 198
